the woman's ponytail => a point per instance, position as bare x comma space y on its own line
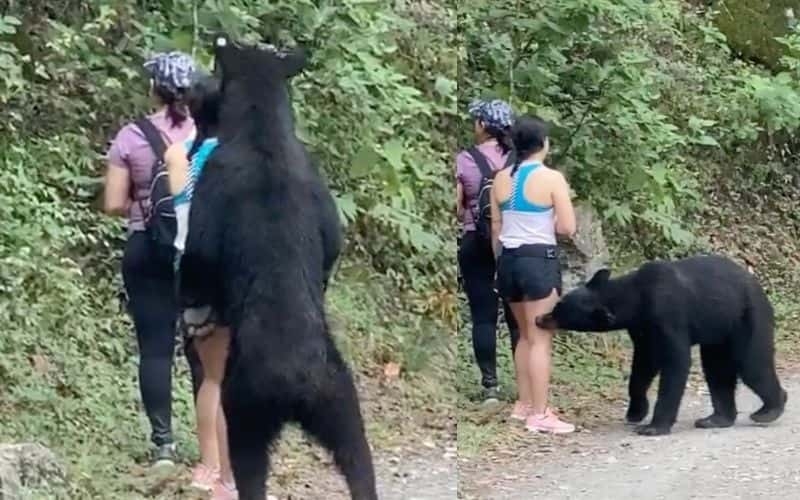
529, 136
517, 163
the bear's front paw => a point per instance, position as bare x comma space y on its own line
637, 410
652, 430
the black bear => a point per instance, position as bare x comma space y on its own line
263, 235
669, 306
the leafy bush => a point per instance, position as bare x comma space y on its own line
661, 128
371, 108
639, 93
751, 27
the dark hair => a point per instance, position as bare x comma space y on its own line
203, 100
502, 136
528, 135
176, 107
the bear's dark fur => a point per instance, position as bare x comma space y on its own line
667, 307
330, 231
263, 235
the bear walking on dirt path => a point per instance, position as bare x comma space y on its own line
667, 307
262, 238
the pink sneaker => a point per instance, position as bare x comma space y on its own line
548, 422
224, 491
204, 478
520, 411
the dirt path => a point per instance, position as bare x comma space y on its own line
429, 476
744, 462
425, 472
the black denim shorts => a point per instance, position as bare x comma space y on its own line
529, 272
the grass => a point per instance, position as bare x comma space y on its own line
85, 404
588, 372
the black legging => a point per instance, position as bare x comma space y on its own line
477, 270
149, 283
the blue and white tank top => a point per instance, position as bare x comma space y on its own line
525, 223
183, 198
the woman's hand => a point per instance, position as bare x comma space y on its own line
198, 321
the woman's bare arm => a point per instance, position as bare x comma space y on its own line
562, 204
497, 223
117, 198
459, 199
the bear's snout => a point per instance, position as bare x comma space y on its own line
546, 322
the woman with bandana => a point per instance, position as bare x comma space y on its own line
491, 121
147, 273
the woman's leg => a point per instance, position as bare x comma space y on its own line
540, 348
226, 473
149, 284
213, 352
522, 407
539, 368
477, 270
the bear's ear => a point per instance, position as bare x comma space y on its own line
221, 39
226, 56
294, 61
599, 278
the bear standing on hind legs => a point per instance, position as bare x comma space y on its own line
667, 307
259, 252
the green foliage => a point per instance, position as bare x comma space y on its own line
661, 128
371, 106
752, 25
637, 93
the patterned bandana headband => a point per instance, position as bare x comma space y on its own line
172, 71
495, 114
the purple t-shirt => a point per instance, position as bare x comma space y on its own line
469, 175
131, 150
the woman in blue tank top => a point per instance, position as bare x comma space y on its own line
531, 204
185, 163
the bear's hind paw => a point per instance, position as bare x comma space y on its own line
652, 430
766, 415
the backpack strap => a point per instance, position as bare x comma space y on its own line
482, 162
154, 139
